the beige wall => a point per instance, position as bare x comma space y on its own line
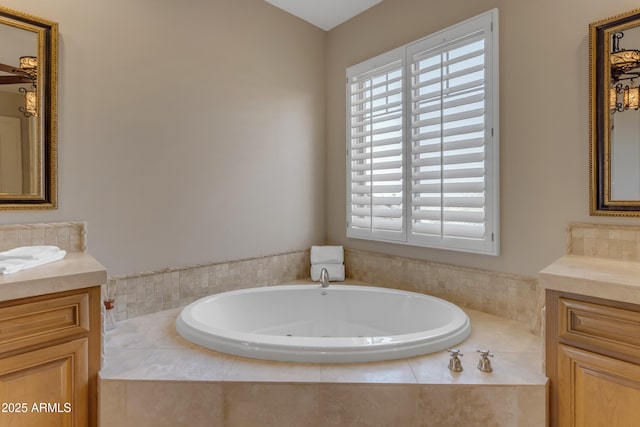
190, 131
543, 118
195, 131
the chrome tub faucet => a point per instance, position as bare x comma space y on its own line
324, 277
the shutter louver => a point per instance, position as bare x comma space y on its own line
375, 151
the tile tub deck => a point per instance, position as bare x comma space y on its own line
151, 376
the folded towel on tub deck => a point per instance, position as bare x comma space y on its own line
327, 255
25, 257
336, 272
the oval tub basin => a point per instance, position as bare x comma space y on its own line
338, 324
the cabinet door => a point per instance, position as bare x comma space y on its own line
596, 390
46, 387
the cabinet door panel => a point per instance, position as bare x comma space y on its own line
38, 322
600, 326
595, 390
50, 386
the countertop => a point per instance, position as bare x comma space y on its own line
597, 277
76, 271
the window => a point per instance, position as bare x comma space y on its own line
422, 138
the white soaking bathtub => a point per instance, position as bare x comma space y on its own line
337, 324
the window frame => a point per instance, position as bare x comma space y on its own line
487, 24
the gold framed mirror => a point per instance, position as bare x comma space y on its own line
28, 111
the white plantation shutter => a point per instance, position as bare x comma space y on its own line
451, 181
375, 147
449, 143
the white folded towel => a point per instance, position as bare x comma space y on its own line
25, 257
336, 272
327, 255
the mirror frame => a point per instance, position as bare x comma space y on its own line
47, 35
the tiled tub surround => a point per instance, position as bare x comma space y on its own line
506, 295
146, 293
513, 297
153, 377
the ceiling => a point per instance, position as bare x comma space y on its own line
325, 14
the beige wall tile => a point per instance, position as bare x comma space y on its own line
378, 373
505, 295
271, 405
112, 402
604, 241
532, 408
171, 404
69, 236
244, 369
368, 405
151, 292
461, 405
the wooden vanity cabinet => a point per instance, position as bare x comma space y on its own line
592, 361
49, 359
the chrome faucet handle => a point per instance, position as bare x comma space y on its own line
454, 352
455, 364
484, 364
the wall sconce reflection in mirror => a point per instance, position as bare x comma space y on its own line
624, 67
26, 73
